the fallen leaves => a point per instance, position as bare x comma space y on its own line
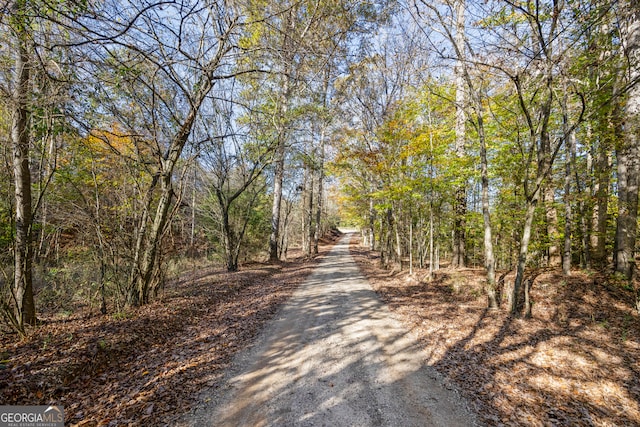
146, 367
577, 362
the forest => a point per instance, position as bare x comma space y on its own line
495, 134
142, 140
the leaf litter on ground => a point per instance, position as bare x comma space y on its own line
147, 366
576, 362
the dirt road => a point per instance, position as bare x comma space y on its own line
333, 356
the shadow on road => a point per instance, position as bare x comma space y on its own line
334, 355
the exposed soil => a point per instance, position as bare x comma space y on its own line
333, 356
576, 362
148, 366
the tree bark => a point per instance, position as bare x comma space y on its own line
372, 226
25, 311
568, 213
551, 215
600, 191
489, 257
522, 255
460, 208
628, 154
308, 213
278, 178
230, 244
320, 195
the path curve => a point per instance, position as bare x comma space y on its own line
333, 356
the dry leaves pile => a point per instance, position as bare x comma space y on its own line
577, 362
146, 368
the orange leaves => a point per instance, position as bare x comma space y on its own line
114, 141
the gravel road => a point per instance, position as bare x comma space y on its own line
334, 355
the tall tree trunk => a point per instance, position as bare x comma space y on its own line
282, 111
600, 192
320, 195
25, 311
192, 234
628, 154
489, 257
147, 247
47, 169
431, 243
465, 78
398, 240
568, 213
309, 210
460, 208
372, 225
551, 215
410, 243
278, 178
145, 278
522, 255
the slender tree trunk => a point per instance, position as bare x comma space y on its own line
398, 240
277, 201
25, 311
598, 238
626, 225
628, 154
465, 78
372, 226
489, 257
192, 234
308, 210
431, 245
47, 172
278, 177
320, 195
568, 213
522, 256
410, 245
460, 209
551, 214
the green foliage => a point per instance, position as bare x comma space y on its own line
248, 218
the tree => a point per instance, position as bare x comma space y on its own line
25, 311
295, 41
460, 209
155, 81
628, 153
29, 95
233, 171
